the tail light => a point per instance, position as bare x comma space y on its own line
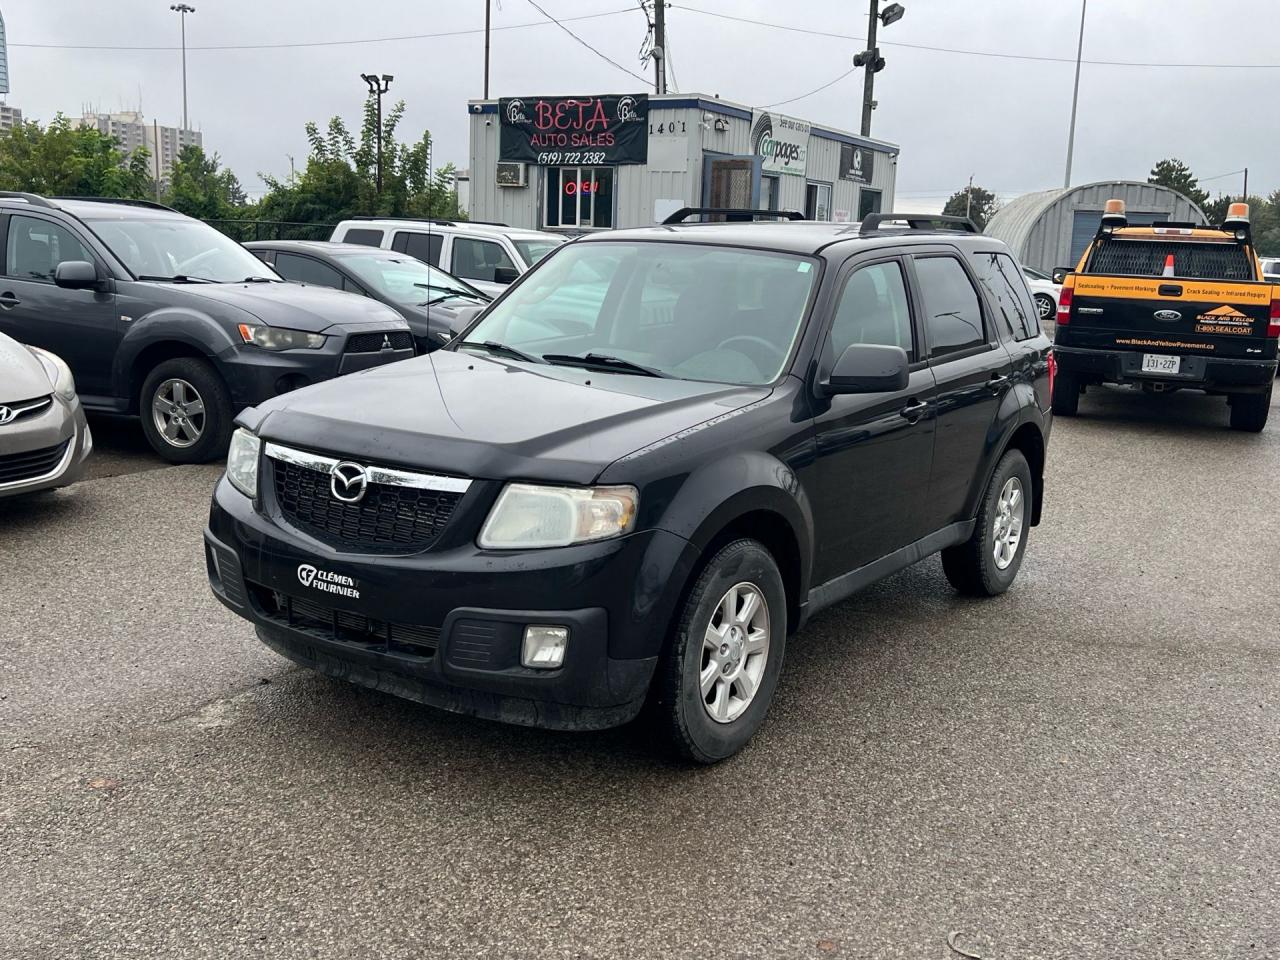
1064, 305
1273, 323
1053, 372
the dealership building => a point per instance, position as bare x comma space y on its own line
594, 162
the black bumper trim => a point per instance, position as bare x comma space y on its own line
1200, 372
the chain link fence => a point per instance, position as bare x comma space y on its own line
246, 230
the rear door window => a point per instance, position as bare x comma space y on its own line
363, 236
422, 246
953, 314
37, 246
307, 270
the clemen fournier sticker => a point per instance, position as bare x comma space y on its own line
326, 581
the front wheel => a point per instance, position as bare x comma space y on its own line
1249, 411
987, 563
1045, 307
720, 670
186, 411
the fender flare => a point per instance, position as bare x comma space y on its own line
177, 325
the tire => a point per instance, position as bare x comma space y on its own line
973, 567
1066, 395
1249, 411
198, 437
1046, 307
682, 710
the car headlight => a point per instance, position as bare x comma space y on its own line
532, 516
242, 462
59, 374
280, 338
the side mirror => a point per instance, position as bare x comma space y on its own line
505, 274
869, 368
76, 275
1060, 274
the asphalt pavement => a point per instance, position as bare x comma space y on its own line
1085, 767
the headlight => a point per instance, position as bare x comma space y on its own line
242, 462
279, 338
59, 374
530, 516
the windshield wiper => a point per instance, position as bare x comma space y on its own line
447, 293
603, 361
259, 280
177, 278
493, 346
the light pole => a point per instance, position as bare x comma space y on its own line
1075, 98
182, 9
870, 58
378, 86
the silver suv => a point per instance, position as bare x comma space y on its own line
488, 255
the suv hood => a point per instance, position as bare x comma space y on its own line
22, 376
293, 305
473, 416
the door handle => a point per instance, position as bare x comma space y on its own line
914, 411
998, 382
9, 299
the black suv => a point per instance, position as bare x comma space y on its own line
162, 316
644, 467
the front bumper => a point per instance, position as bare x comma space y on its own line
254, 375
1215, 374
44, 451
444, 627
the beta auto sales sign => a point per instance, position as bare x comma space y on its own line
574, 130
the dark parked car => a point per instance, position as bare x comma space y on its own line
758, 420
161, 316
436, 304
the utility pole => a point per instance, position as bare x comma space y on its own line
378, 86
659, 47
1075, 98
968, 198
870, 58
1245, 198
488, 4
182, 9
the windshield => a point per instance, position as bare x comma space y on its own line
406, 280
680, 310
179, 248
535, 250
1035, 274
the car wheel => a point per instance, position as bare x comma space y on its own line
1045, 307
720, 670
1249, 411
987, 563
1066, 395
186, 411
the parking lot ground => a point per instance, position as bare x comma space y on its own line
1085, 767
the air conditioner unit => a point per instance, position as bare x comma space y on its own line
513, 174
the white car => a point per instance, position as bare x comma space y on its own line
487, 255
1271, 269
1045, 292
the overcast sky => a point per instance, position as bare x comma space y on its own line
1002, 120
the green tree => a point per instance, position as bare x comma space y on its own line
65, 160
200, 187
980, 203
1176, 175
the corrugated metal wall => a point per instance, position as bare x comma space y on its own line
674, 170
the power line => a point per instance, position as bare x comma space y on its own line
975, 53
602, 56
829, 83
322, 43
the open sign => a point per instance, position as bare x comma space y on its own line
581, 186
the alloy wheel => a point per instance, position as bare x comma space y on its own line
1007, 526
735, 650
177, 410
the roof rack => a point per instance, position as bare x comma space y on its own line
441, 223
736, 213
32, 198
915, 221
150, 204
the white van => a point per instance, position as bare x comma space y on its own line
487, 255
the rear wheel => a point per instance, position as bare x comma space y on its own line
1045, 307
987, 563
1066, 395
186, 411
1249, 411
721, 668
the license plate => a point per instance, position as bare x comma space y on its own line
1158, 363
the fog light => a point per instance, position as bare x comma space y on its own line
544, 646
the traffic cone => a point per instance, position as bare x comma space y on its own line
1168, 266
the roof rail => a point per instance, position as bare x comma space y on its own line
915, 221
738, 213
151, 204
441, 223
32, 198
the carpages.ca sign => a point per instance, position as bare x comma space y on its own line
781, 143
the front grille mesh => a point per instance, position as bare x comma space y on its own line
320, 620
17, 467
1191, 261
388, 518
373, 342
